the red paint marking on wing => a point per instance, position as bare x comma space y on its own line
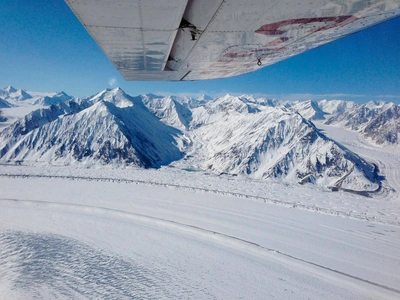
225, 68
277, 42
277, 28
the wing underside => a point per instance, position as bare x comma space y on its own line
206, 39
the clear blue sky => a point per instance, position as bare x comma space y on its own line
45, 48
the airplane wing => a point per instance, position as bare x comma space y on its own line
205, 39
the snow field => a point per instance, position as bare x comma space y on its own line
382, 208
64, 238
90, 230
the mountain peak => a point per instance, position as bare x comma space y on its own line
232, 134
310, 110
62, 93
151, 95
117, 90
116, 96
16, 95
204, 97
9, 89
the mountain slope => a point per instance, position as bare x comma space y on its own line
10, 93
101, 132
168, 110
379, 121
237, 135
53, 99
4, 104
276, 143
334, 107
309, 110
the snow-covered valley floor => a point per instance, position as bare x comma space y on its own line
71, 232
386, 157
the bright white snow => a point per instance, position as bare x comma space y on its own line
73, 237
89, 230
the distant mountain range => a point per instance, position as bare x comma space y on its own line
246, 136
378, 121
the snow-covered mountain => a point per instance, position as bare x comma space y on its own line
379, 121
24, 102
10, 93
237, 135
8, 89
334, 107
275, 142
309, 110
205, 97
103, 128
52, 99
19, 97
168, 110
190, 102
4, 103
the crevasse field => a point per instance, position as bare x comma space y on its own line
123, 233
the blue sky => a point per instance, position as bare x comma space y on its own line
45, 48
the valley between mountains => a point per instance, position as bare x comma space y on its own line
165, 197
234, 135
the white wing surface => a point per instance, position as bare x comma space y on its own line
206, 39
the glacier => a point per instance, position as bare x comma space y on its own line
236, 135
171, 197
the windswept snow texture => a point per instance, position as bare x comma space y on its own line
52, 266
256, 137
120, 197
63, 239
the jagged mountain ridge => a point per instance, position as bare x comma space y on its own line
242, 135
275, 142
334, 107
379, 121
53, 99
169, 110
309, 110
20, 97
96, 130
14, 94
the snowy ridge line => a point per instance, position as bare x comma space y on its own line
296, 205
229, 135
228, 240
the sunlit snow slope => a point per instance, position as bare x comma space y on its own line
109, 127
246, 136
164, 197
